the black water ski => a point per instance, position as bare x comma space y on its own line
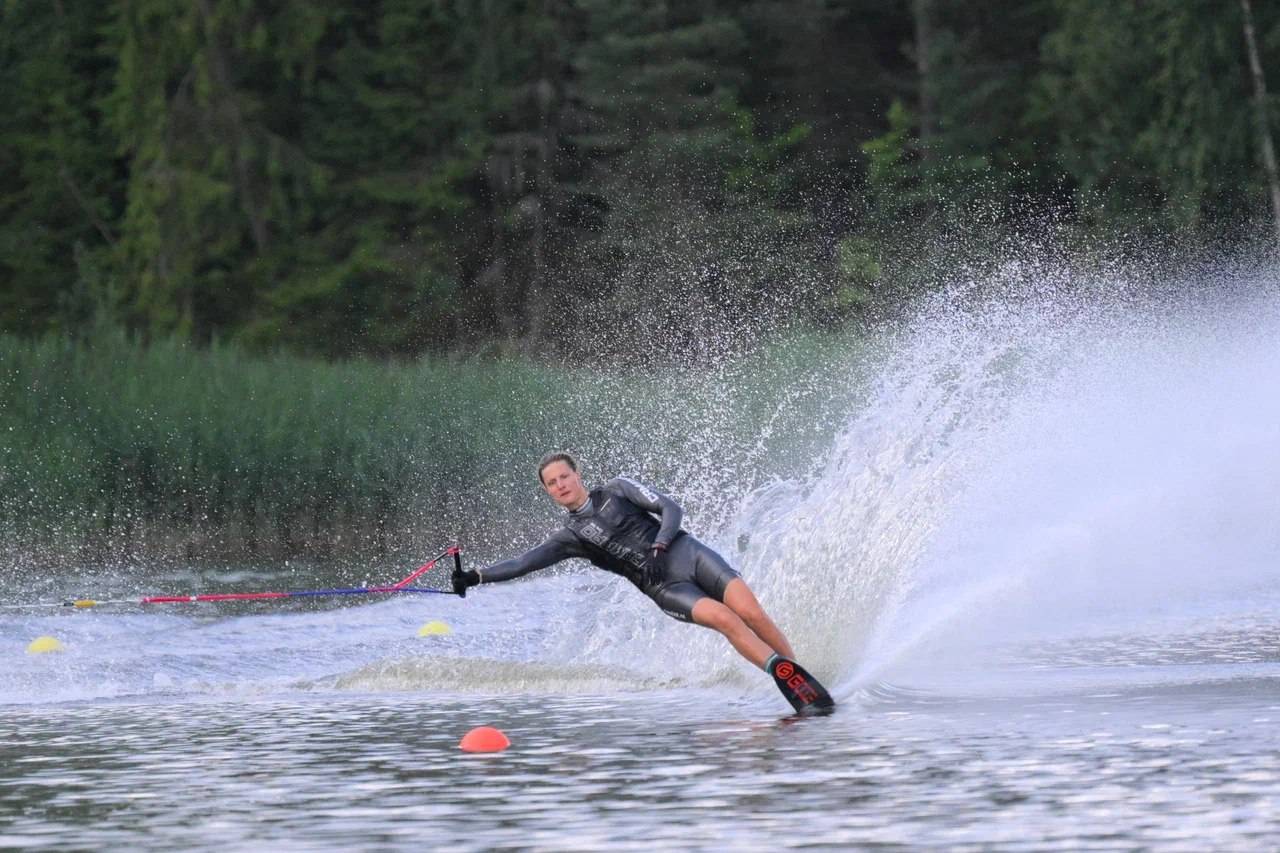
801, 689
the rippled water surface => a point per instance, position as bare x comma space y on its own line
190, 738
678, 769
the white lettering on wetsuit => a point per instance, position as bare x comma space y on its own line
598, 537
647, 493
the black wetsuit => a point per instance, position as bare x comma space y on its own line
616, 530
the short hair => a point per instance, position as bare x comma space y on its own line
556, 456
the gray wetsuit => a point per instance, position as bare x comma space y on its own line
616, 530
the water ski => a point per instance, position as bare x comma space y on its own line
801, 689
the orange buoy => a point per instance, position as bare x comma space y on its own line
484, 739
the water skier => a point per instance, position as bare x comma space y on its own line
614, 526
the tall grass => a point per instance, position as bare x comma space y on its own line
197, 451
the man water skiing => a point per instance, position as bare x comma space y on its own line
614, 527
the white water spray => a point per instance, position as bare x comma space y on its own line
1067, 459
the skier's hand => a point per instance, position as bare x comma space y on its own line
657, 570
463, 580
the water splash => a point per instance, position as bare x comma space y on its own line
1045, 454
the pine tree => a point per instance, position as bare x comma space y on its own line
695, 237
58, 188
1150, 106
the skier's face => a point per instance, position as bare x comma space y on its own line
564, 485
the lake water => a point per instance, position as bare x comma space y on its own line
164, 731
1039, 568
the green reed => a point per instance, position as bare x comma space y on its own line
110, 440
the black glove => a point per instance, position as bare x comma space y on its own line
656, 571
462, 580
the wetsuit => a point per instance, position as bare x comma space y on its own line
616, 530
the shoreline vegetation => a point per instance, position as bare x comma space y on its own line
122, 448
167, 451
389, 180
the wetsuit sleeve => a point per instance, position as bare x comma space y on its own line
655, 502
560, 545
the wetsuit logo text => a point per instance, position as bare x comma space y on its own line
596, 536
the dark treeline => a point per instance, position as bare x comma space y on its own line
408, 176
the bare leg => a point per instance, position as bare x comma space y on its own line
712, 614
739, 598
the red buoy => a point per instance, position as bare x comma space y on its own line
484, 739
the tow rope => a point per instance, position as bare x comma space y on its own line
403, 585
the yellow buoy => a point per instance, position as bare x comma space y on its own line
40, 645
434, 628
